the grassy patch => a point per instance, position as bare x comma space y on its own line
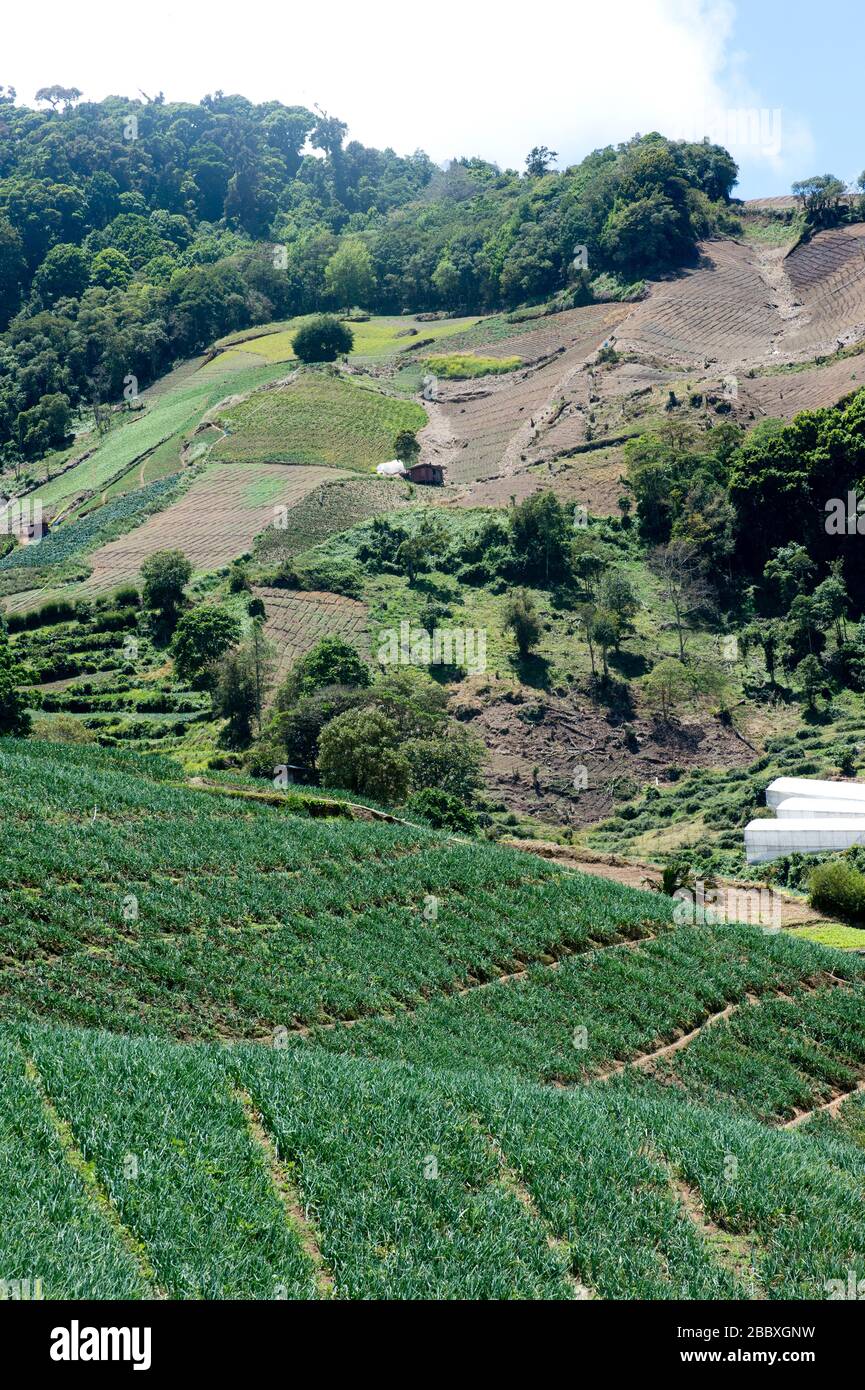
320, 418
464, 366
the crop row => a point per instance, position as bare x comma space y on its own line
143, 1167
139, 904
780, 1056
570, 1023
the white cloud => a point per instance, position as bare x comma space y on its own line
457, 77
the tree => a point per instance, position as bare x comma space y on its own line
812, 678
451, 762
12, 270
667, 688
64, 274
166, 574
14, 719
522, 618
605, 631
541, 533
322, 339
406, 447
332, 661
234, 697
56, 95
821, 195
359, 751
539, 159
200, 639
111, 270
790, 569
348, 275
683, 583
44, 426
619, 597
260, 655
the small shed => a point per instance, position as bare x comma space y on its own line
431, 473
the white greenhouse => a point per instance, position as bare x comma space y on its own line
811, 817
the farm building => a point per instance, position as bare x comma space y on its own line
811, 817
432, 473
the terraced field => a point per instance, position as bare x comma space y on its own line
784, 394
296, 620
334, 506
285, 1168
318, 419
493, 429
719, 312
375, 339
828, 273
215, 520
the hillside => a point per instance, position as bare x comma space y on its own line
290, 1169
358, 828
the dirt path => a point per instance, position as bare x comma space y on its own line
831, 1107
794, 912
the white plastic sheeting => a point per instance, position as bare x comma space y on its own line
769, 839
811, 817
798, 806
784, 787
392, 469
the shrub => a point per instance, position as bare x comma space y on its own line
203, 635
442, 811
322, 339
359, 750
332, 661
839, 888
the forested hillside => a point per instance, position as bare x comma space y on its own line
134, 233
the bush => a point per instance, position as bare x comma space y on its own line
442, 811
322, 339
359, 750
839, 888
332, 661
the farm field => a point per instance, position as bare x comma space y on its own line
375, 339
216, 518
335, 506
318, 419
748, 304
307, 1160
171, 414
297, 620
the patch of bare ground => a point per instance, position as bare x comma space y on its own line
722, 311
295, 1214
492, 427
636, 873
513, 1183
536, 742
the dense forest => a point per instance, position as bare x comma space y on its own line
134, 233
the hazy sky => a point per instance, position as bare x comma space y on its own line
472, 77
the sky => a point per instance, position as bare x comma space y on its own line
775, 82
